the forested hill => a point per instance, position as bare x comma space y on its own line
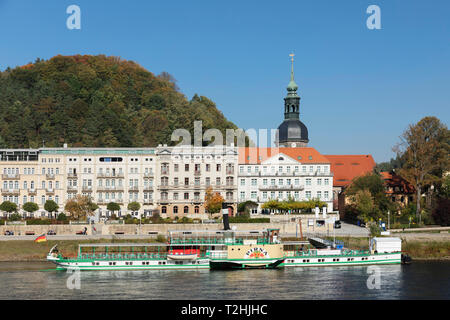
95, 101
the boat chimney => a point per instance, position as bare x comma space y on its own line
226, 224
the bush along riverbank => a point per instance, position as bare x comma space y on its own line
430, 250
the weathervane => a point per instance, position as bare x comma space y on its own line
292, 67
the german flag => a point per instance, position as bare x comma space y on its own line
41, 238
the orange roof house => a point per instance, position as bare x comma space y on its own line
396, 184
347, 167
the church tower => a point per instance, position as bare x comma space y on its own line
292, 132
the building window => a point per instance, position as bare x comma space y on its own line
196, 209
186, 209
163, 209
175, 210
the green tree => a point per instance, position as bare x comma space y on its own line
30, 207
424, 150
364, 204
112, 206
134, 206
8, 206
61, 217
51, 206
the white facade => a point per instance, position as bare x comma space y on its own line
282, 177
159, 178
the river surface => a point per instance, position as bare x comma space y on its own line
420, 280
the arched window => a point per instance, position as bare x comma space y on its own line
163, 209
196, 209
175, 209
186, 209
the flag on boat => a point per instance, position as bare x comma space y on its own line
41, 238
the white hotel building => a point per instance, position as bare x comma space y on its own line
282, 173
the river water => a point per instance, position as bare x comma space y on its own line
420, 280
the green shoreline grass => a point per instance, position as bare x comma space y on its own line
31, 251
26, 250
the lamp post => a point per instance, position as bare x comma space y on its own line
389, 220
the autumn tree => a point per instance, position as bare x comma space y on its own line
213, 201
81, 207
424, 149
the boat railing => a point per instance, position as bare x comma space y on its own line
237, 241
314, 252
123, 256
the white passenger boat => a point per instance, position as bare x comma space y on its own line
129, 256
381, 251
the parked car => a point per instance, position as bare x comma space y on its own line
51, 233
337, 224
8, 233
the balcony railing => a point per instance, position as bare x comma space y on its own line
106, 201
286, 187
32, 191
148, 174
72, 188
11, 191
110, 175
86, 188
49, 190
50, 176
286, 174
133, 188
11, 176
109, 188
72, 175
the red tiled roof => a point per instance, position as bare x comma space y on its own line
394, 180
347, 167
254, 155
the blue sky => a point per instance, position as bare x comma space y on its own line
360, 88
